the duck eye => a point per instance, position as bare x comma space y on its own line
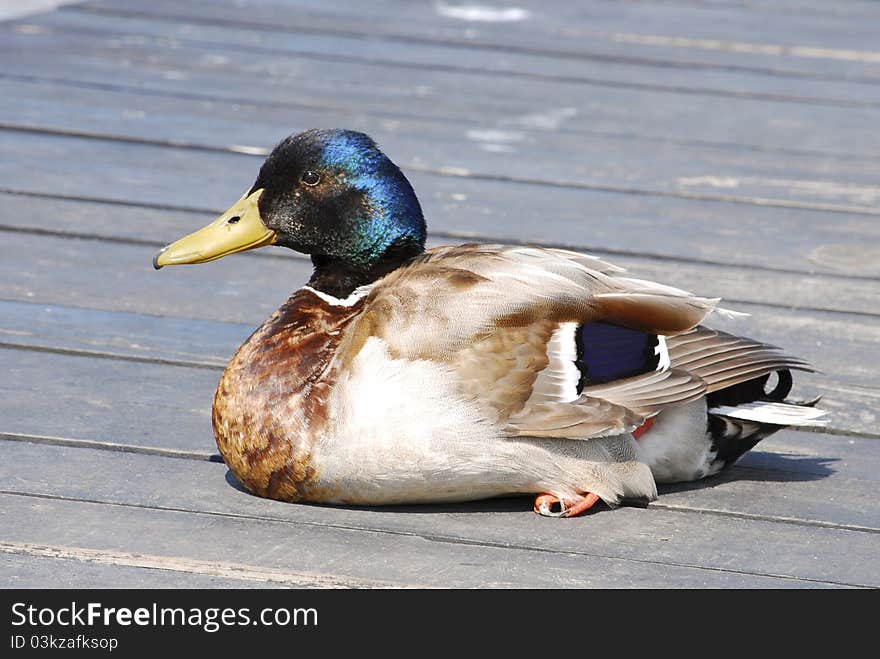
311, 178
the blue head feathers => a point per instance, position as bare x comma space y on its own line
333, 194
393, 213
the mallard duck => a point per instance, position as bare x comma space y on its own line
400, 374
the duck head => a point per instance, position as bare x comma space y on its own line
331, 194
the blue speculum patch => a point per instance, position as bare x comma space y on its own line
608, 352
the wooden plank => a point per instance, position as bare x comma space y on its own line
612, 162
607, 70
762, 182
115, 276
754, 490
136, 336
234, 76
464, 206
158, 406
346, 554
497, 223
509, 544
22, 570
810, 478
796, 515
855, 8
603, 163
790, 41
814, 455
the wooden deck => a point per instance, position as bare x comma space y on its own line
726, 147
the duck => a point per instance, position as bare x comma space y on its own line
404, 375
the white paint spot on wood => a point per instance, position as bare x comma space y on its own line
215, 60
31, 29
482, 13
859, 194
249, 150
495, 141
454, 171
495, 136
775, 50
546, 120
856, 258
497, 148
16, 332
711, 181
10, 9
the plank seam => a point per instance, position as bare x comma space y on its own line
111, 446
765, 518
454, 235
101, 354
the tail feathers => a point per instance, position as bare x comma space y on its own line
735, 429
774, 413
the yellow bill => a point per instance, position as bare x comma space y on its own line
238, 229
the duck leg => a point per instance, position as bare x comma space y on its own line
544, 504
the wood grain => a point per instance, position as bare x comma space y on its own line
482, 533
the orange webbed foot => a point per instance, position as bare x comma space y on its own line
551, 506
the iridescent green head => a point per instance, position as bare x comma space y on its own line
328, 193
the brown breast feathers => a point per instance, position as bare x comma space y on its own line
270, 404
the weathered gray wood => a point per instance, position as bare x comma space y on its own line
234, 76
112, 276
810, 478
708, 138
21, 570
115, 333
126, 403
155, 227
503, 536
859, 8
686, 33
604, 162
719, 231
352, 555
761, 492
463, 206
807, 454
610, 70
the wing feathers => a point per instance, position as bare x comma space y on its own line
502, 320
654, 312
583, 419
723, 360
